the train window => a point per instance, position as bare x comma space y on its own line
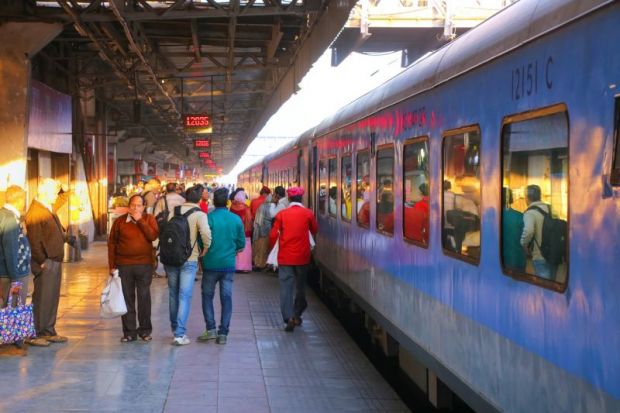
461, 194
615, 170
322, 195
385, 189
416, 191
362, 188
332, 166
534, 241
346, 175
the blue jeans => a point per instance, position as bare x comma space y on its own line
180, 286
543, 269
292, 290
209, 279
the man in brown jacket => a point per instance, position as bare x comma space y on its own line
47, 238
130, 251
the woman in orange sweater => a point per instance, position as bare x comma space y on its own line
130, 251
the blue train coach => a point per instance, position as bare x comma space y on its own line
428, 192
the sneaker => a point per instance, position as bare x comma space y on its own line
221, 339
181, 341
208, 335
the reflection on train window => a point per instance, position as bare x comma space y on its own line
346, 175
416, 192
362, 188
461, 194
332, 201
615, 170
322, 195
385, 190
535, 195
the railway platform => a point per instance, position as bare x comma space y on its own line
317, 368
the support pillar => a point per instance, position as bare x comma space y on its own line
21, 41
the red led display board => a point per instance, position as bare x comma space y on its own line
197, 123
202, 143
204, 155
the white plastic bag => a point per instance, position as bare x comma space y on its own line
272, 259
311, 239
112, 300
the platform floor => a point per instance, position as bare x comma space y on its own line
317, 368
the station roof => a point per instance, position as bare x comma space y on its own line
236, 61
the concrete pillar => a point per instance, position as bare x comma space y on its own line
20, 41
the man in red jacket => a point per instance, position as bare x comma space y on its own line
290, 229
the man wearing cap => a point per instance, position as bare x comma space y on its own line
290, 230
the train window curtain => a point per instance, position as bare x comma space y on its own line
332, 166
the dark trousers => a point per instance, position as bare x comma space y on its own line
292, 290
137, 279
45, 298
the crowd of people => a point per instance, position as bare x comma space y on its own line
210, 230
215, 232
32, 245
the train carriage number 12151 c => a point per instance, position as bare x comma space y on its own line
525, 78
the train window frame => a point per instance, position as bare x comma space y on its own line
444, 136
614, 176
412, 141
365, 151
376, 156
510, 272
342, 158
329, 181
320, 203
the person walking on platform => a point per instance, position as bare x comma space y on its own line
279, 201
258, 201
46, 236
227, 239
14, 249
179, 237
130, 251
164, 209
260, 234
239, 208
290, 230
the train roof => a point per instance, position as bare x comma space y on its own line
508, 29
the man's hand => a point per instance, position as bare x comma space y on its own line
136, 215
203, 253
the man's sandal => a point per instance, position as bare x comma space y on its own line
146, 337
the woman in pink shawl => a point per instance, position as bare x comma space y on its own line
238, 207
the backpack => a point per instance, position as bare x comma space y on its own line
162, 217
175, 245
554, 237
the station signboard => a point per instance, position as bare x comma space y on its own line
197, 123
202, 143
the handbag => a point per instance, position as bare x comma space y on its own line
16, 322
272, 259
112, 299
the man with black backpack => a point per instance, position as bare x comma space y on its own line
539, 235
164, 209
179, 251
